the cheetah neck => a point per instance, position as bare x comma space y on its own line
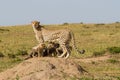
36, 30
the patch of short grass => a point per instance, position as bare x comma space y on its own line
17, 77
10, 55
21, 52
86, 78
114, 50
6, 63
100, 53
1, 54
113, 61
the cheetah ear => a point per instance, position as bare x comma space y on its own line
38, 22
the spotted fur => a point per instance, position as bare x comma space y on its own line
63, 37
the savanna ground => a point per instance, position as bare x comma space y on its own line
101, 42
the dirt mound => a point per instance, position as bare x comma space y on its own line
44, 69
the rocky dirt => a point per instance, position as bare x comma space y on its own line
47, 69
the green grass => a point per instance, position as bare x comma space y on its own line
114, 50
90, 37
103, 70
100, 53
8, 63
1, 54
94, 38
114, 61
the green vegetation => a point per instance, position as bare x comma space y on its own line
17, 77
21, 52
8, 63
111, 50
101, 53
11, 55
86, 78
1, 54
113, 61
65, 23
114, 50
17, 41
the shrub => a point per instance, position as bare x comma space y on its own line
66, 23
15, 60
4, 30
17, 77
98, 53
11, 55
21, 52
117, 22
93, 62
1, 54
114, 50
81, 23
113, 61
86, 78
85, 26
100, 24
118, 77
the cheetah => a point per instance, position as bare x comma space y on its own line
63, 37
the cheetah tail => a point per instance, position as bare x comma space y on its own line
74, 44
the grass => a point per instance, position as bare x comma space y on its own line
113, 61
8, 63
1, 54
94, 38
22, 52
104, 70
114, 50
100, 53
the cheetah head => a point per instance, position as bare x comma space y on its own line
35, 24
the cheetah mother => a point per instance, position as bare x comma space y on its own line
63, 37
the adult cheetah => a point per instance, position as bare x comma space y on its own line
63, 37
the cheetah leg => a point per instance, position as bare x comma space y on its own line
33, 55
68, 52
64, 50
39, 54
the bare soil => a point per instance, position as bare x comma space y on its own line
48, 69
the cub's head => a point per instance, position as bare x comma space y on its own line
42, 45
35, 24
